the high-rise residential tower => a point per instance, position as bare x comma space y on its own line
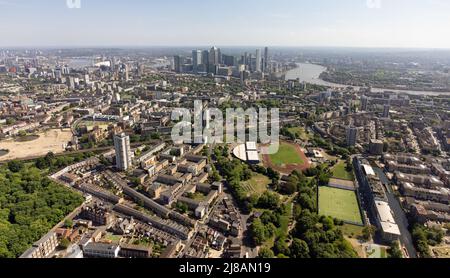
386, 111
214, 56
364, 103
266, 60
178, 62
214, 60
258, 60
205, 57
196, 59
352, 136
127, 72
123, 151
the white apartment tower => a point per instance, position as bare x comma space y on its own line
123, 151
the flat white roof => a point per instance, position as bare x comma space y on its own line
368, 169
389, 228
387, 220
384, 212
251, 146
253, 156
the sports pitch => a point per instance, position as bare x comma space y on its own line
290, 157
287, 154
340, 204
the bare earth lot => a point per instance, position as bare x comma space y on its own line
49, 141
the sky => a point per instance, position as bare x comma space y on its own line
300, 23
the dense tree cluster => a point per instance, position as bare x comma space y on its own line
314, 236
268, 200
136, 138
235, 172
52, 162
181, 207
30, 205
285, 131
423, 237
268, 103
265, 227
321, 174
323, 238
368, 232
332, 148
265, 253
260, 231
395, 252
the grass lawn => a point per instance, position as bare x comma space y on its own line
198, 196
285, 219
113, 238
339, 203
339, 171
352, 231
257, 185
300, 133
287, 155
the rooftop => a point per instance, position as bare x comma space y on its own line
368, 170
253, 156
251, 146
384, 211
240, 153
387, 221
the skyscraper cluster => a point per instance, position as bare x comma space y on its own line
214, 62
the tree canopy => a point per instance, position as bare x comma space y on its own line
30, 205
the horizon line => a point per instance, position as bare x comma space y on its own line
210, 45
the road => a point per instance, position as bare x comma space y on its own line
247, 245
399, 215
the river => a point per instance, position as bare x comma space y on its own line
310, 73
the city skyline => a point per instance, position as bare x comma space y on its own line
349, 23
237, 129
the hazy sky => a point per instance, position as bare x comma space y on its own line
357, 23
